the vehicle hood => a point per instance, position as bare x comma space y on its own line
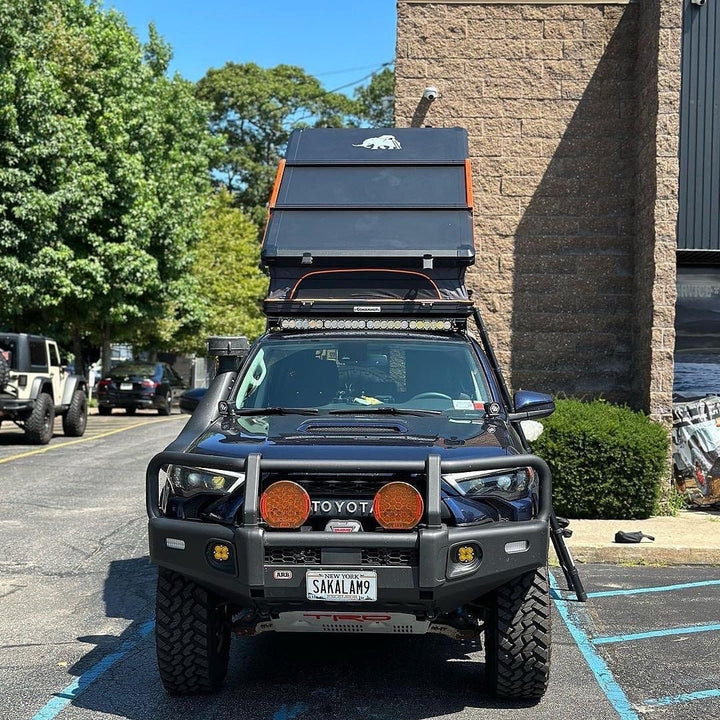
356, 437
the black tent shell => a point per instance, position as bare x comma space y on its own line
360, 216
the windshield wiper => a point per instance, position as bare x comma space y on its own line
275, 411
384, 411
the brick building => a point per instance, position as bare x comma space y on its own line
573, 114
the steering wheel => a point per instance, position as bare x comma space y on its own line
422, 396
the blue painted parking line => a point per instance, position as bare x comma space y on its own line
80, 684
679, 699
572, 617
604, 640
290, 712
660, 588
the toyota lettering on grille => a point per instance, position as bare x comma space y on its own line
341, 508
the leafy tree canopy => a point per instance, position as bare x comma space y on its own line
254, 111
375, 102
103, 172
228, 280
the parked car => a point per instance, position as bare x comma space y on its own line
35, 388
133, 385
190, 398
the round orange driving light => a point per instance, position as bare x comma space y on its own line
285, 504
398, 506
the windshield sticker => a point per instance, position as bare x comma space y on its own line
463, 405
382, 142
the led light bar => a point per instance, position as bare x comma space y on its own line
304, 323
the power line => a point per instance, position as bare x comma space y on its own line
347, 70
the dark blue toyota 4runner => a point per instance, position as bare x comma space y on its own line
361, 468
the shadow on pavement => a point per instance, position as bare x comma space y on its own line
324, 676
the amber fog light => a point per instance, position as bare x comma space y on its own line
285, 504
398, 506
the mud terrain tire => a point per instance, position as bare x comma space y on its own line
39, 426
75, 419
192, 635
4, 372
517, 638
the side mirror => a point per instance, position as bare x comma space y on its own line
531, 405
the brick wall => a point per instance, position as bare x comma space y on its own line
658, 132
549, 95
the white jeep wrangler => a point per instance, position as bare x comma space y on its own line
35, 387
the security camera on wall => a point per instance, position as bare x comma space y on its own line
431, 93
698, 2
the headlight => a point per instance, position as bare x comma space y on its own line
510, 484
189, 480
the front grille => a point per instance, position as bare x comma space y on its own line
341, 486
292, 556
311, 556
383, 556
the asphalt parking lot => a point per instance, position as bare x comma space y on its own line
76, 619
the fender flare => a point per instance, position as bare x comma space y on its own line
39, 384
72, 383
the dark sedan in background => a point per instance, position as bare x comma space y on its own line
133, 385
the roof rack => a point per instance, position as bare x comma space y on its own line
371, 221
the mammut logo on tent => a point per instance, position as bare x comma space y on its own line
382, 142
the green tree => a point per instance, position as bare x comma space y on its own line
375, 102
226, 270
253, 111
103, 173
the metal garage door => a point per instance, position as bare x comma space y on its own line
699, 211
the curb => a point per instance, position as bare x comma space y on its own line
644, 553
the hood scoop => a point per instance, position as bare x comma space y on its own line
353, 427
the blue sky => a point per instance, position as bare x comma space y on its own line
339, 42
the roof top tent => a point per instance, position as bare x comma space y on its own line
371, 220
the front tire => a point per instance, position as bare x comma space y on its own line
166, 407
517, 638
39, 426
192, 635
75, 419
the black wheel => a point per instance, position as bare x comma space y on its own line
517, 638
39, 426
130, 410
166, 407
4, 371
104, 410
192, 635
75, 419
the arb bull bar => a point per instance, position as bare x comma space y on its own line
504, 549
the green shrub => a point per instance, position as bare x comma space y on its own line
606, 461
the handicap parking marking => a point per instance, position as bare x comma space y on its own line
578, 622
689, 630
679, 699
575, 619
659, 588
69, 693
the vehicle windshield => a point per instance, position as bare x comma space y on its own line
364, 374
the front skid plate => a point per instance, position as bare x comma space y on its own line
363, 622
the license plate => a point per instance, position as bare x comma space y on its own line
351, 585
126, 386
